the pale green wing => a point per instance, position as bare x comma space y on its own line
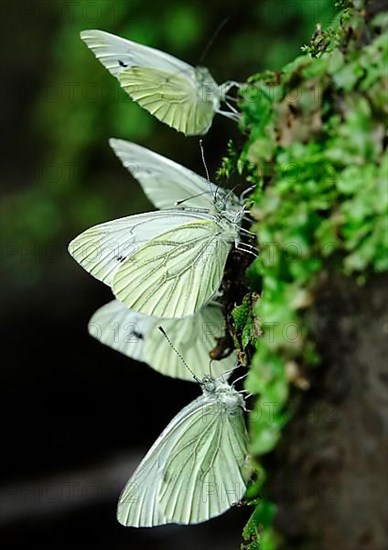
101, 249
176, 273
165, 182
117, 54
178, 94
204, 471
137, 336
139, 504
214, 443
193, 337
172, 98
121, 329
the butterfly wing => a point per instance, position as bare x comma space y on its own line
121, 329
194, 337
139, 504
194, 470
101, 249
176, 273
117, 54
165, 182
204, 471
172, 97
174, 91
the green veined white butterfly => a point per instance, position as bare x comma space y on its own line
196, 469
167, 263
137, 336
184, 97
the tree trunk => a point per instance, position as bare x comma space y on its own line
330, 474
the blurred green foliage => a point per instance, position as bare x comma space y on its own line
316, 153
77, 181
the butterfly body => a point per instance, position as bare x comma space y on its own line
207, 87
229, 398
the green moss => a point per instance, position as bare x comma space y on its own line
263, 537
315, 152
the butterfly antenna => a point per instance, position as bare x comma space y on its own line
178, 203
213, 37
203, 160
205, 165
178, 354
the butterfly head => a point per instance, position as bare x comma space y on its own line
231, 212
208, 385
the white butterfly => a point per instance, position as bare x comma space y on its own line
196, 469
137, 336
184, 97
167, 263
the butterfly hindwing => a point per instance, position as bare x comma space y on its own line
172, 98
204, 472
176, 273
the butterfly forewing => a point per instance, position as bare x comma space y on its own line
139, 503
117, 54
121, 329
137, 336
101, 249
166, 183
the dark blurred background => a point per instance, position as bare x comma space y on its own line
76, 416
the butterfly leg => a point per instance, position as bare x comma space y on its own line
233, 109
246, 192
250, 233
233, 116
226, 86
244, 247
